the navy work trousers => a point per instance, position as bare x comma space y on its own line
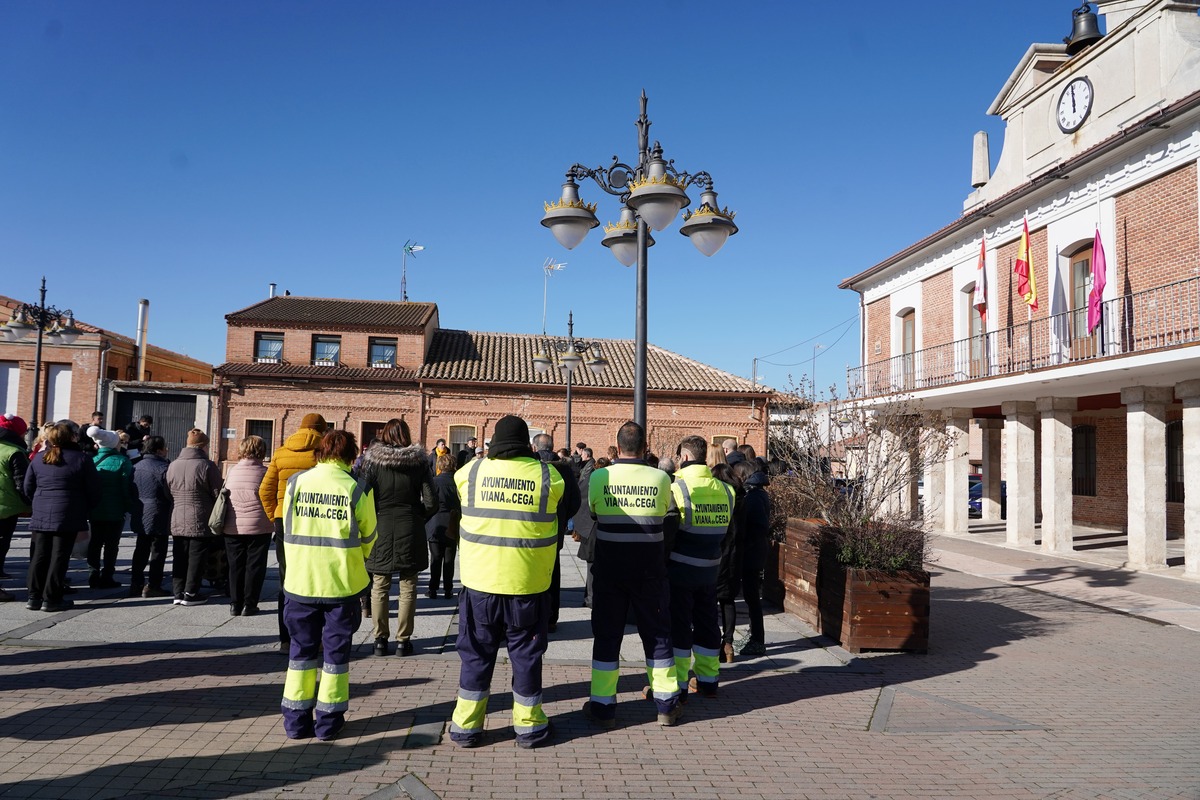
649, 597
485, 621
321, 637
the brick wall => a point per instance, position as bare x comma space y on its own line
936, 316
84, 358
1157, 239
595, 417
298, 345
879, 330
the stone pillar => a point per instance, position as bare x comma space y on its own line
1146, 463
885, 470
990, 507
1189, 393
1019, 419
957, 468
1058, 534
935, 489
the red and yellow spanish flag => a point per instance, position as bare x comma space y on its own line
1026, 279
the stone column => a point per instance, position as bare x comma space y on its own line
990, 507
1146, 463
1058, 534
957, 468
1189, 393
934, 477
881, 469
1019, 422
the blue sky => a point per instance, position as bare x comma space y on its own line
193, 152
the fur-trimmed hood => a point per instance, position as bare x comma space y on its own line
387, 456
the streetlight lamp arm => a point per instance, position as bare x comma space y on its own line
613, 179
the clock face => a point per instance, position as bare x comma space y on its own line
1074, 105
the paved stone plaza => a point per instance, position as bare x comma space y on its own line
1046, 678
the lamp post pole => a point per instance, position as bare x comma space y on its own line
47, 321
652, 192
571, 352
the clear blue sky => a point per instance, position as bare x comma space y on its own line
193, 152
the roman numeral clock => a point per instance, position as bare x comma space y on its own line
1074, 105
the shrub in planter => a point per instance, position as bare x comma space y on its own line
854, 465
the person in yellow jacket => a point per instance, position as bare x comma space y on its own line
328, 532
298, 453
508, 541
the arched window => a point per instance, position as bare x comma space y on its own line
1083, 460
1175, 462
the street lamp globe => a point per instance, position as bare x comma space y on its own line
569, 218
708, 226
541, 362
657, 197
68, 333
621, 238
18, 328
571, 361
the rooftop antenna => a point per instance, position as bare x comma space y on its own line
410, 248
549, 267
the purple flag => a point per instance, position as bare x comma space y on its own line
1099, 278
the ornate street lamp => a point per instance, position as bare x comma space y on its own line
652, 192
46, 321
573, 353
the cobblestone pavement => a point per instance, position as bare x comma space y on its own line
1024, 694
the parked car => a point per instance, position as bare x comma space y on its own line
975, 497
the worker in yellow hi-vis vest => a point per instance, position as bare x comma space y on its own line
630, 501
508, 540
328, 532
702, 509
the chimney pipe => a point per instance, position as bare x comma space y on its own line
981, 163
143, 321
271, 293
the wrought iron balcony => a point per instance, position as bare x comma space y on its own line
1155, 319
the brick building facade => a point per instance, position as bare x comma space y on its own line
360, 363
1084, 425
75, 378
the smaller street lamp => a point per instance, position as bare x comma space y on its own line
46, 321
572, 353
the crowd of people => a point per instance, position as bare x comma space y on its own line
669, 542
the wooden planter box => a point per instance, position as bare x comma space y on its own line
860, 609
797, 570
881, 611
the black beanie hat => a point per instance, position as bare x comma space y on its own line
511, 438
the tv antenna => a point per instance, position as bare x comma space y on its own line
410, 248
550, 267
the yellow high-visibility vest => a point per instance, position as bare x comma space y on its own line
328, 532
508, 537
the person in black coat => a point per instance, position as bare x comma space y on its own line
63, 487
756, 543
441, 531
398, 472
729, 573
151, 520
585, 523
568, 506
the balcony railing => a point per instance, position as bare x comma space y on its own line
1165, 316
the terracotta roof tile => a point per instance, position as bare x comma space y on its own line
336, 312
508, 358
